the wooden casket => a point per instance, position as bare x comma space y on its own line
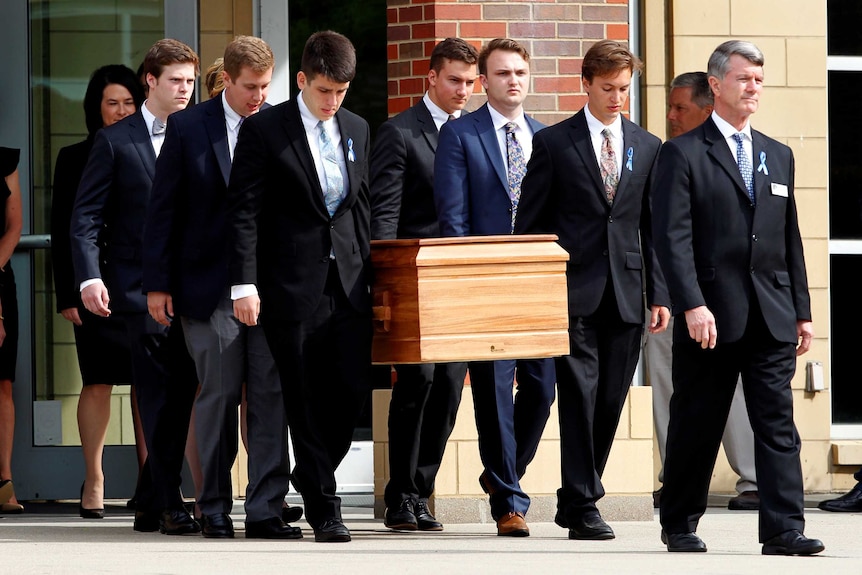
472, 298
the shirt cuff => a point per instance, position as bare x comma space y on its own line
90, 282
242, 290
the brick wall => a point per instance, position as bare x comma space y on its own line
556, 34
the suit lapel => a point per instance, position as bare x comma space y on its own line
488, 137
140, 137
580, 135
299, 141
426, 125
350, 147
217, 131
761, 179
630, 142
720, 152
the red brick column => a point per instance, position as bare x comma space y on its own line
557, 34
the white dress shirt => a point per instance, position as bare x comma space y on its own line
597, 138
729, 131
438, 114
523, 134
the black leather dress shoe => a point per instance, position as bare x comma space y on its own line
683, 542
217, 526
560, 519
424, 520
146, 521
291, 513
590, 527
331, 531
745, 501
401, 518
792, 543
272, 528
178, 522
847, 503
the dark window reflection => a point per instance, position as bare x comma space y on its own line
845, 156
846, 378
844, 27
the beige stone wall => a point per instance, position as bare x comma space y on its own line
792, 36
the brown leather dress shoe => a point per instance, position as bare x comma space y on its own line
512, 524
745, 501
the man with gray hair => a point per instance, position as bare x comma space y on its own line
690, 103
727, 237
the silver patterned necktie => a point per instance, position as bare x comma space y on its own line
158, 127
608, 166
517, 167
334, 188
745, 167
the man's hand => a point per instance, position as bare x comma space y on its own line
804, 330
161, 306
96, 299
659, 319
247, 309
71, 314
701, 326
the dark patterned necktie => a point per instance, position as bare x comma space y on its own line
517, 167
608, 166
745, 167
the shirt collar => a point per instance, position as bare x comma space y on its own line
438, 114
596, 127
309, 120
230, 116
499, 120
727, 130
149, 117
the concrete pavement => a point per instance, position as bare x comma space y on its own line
57, 541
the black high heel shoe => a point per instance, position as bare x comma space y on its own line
89, 513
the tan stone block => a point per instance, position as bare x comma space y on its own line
543, 474
815, 466
630, 467
842, 479
469, 468
640, 399
806, 61
465, 421
552, 427
812, 166
691, 53
820, 314
847, 452
655, 24
212, 46
701, 17
381, 475
817, 267
812, 414
380, 414
776, 18
778, 115
813, 213
216, 16
655, 119
447, 477
622, 432
723, 477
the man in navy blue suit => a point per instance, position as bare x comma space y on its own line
107, 233
480, 162
185, 276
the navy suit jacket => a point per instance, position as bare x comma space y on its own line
185, 242
719, 250
563, 194
471, 188
281, 233
112, 203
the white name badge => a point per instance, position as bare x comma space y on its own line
779, 190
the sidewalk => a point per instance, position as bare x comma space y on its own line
58, 541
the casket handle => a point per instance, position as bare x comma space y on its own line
381, 314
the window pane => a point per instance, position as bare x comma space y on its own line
845, 156
844, 32
847, 316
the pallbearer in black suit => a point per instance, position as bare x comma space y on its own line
114, 92
727, 236
425, 397
185, 276
107, 243
589, 182
299, 220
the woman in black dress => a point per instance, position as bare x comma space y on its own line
10, 197
113, 93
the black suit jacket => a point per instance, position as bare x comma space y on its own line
281, 232
402, 177
67, 175
112, 203
719, 250
185, 240
562, 193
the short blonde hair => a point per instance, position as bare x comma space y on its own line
250, 52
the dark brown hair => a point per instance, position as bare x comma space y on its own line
166, 52
454, 49
331, 55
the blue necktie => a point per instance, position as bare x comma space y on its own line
334, 189
517, 167
745, 167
